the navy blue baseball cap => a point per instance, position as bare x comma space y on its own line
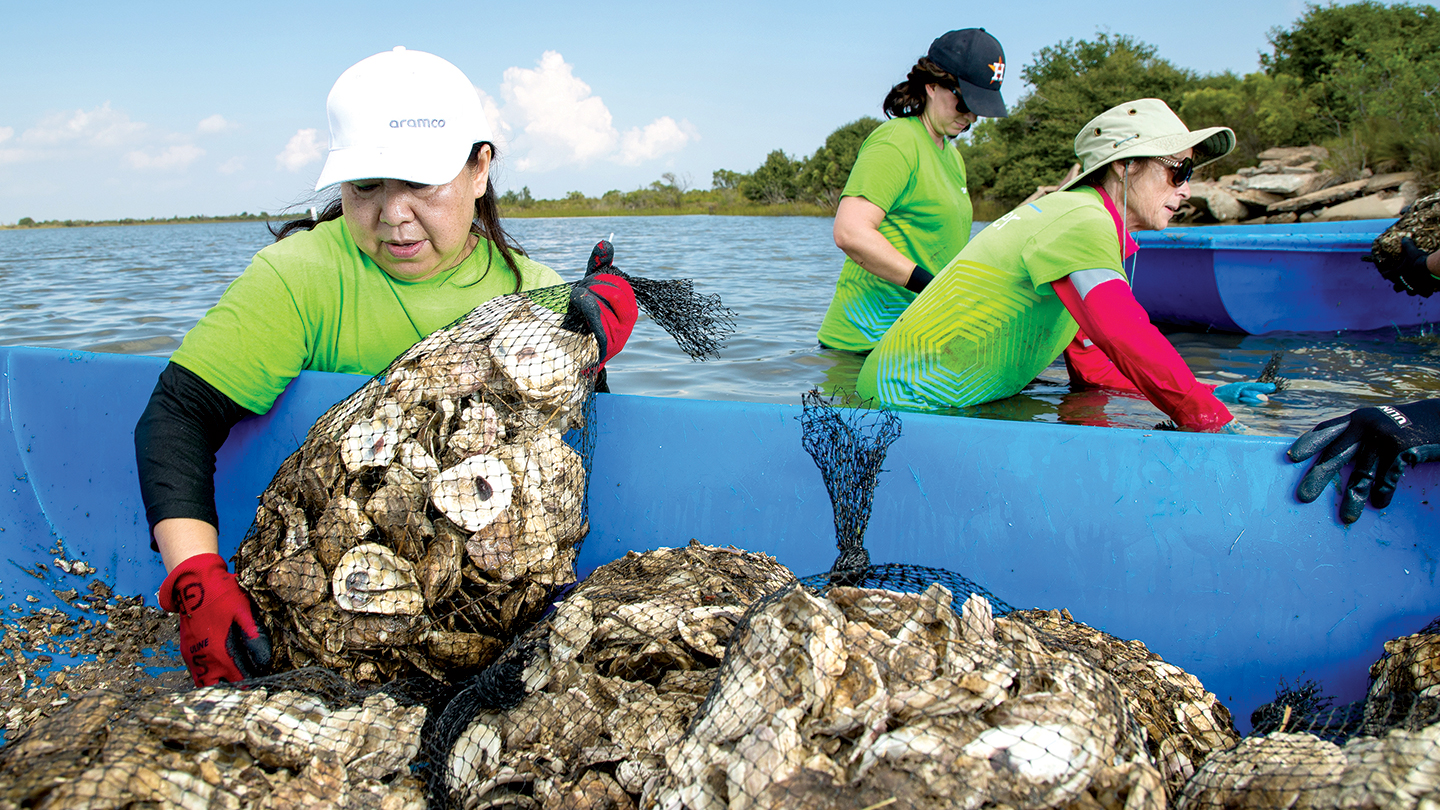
977, 62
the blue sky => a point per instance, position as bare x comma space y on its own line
158, 109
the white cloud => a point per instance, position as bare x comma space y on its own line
5, 133
231, 166
562, 122
214, 124
303, 149
100, 127
552, 119
657, 138
497, 120
176, 157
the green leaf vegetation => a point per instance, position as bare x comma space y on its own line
1361, 79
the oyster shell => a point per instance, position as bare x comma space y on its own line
372, 442
474, 492
371, 578
539, 358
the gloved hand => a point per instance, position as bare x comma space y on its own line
1383, 441
219, 638
1246, 393
1410, 273
605, 301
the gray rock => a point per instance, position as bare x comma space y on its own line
1221, 204
1374, 206
1326, 196
1281, 219
1295, 155
1410, 190
1384, 182
1286, 185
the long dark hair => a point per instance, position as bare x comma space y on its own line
486, 224
907, 99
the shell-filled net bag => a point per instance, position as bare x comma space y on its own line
434, 513
583, 709
298, 739
1305, 752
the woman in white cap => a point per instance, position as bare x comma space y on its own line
412, 242
1050, 277
905, 211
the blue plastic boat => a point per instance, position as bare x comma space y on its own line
1256, 279
1191, 543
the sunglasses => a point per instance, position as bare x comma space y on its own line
960, 106
1180, 170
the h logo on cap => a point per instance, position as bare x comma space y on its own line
999, 68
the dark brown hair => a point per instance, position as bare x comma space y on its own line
907, 99
486, 224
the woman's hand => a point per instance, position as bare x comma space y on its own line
857, 232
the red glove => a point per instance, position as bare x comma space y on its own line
606, 302
219, 638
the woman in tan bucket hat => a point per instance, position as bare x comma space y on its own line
1050, 277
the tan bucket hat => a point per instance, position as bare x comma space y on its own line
1146, 127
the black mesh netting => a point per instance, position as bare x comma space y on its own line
584, 707
299, 739
1304, 751
433, 514
1420, 223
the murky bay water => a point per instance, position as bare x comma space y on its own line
138, 289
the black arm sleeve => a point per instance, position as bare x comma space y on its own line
176, 439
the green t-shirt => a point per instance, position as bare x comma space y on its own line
990, 321
313, 301
921, 188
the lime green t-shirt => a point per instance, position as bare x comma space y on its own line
921, 188
314, 301
990, 321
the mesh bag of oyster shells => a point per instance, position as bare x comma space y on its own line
1421, 223
870, 698
1304, 752
1184, 723
584, 708
433, 514
300, 739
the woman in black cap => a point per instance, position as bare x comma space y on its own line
905, 209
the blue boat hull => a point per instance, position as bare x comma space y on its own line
1191, 543
1257, 279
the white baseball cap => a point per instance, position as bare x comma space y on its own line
403, 115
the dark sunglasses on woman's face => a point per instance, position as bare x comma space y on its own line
960, 107
1180, 170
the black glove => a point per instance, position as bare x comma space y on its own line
919, 278
1385, 441
1410, 273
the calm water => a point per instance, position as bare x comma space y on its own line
138, 290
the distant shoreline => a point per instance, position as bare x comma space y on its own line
542, 209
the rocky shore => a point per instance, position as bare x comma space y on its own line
1289, 185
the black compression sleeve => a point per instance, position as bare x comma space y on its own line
176, 438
